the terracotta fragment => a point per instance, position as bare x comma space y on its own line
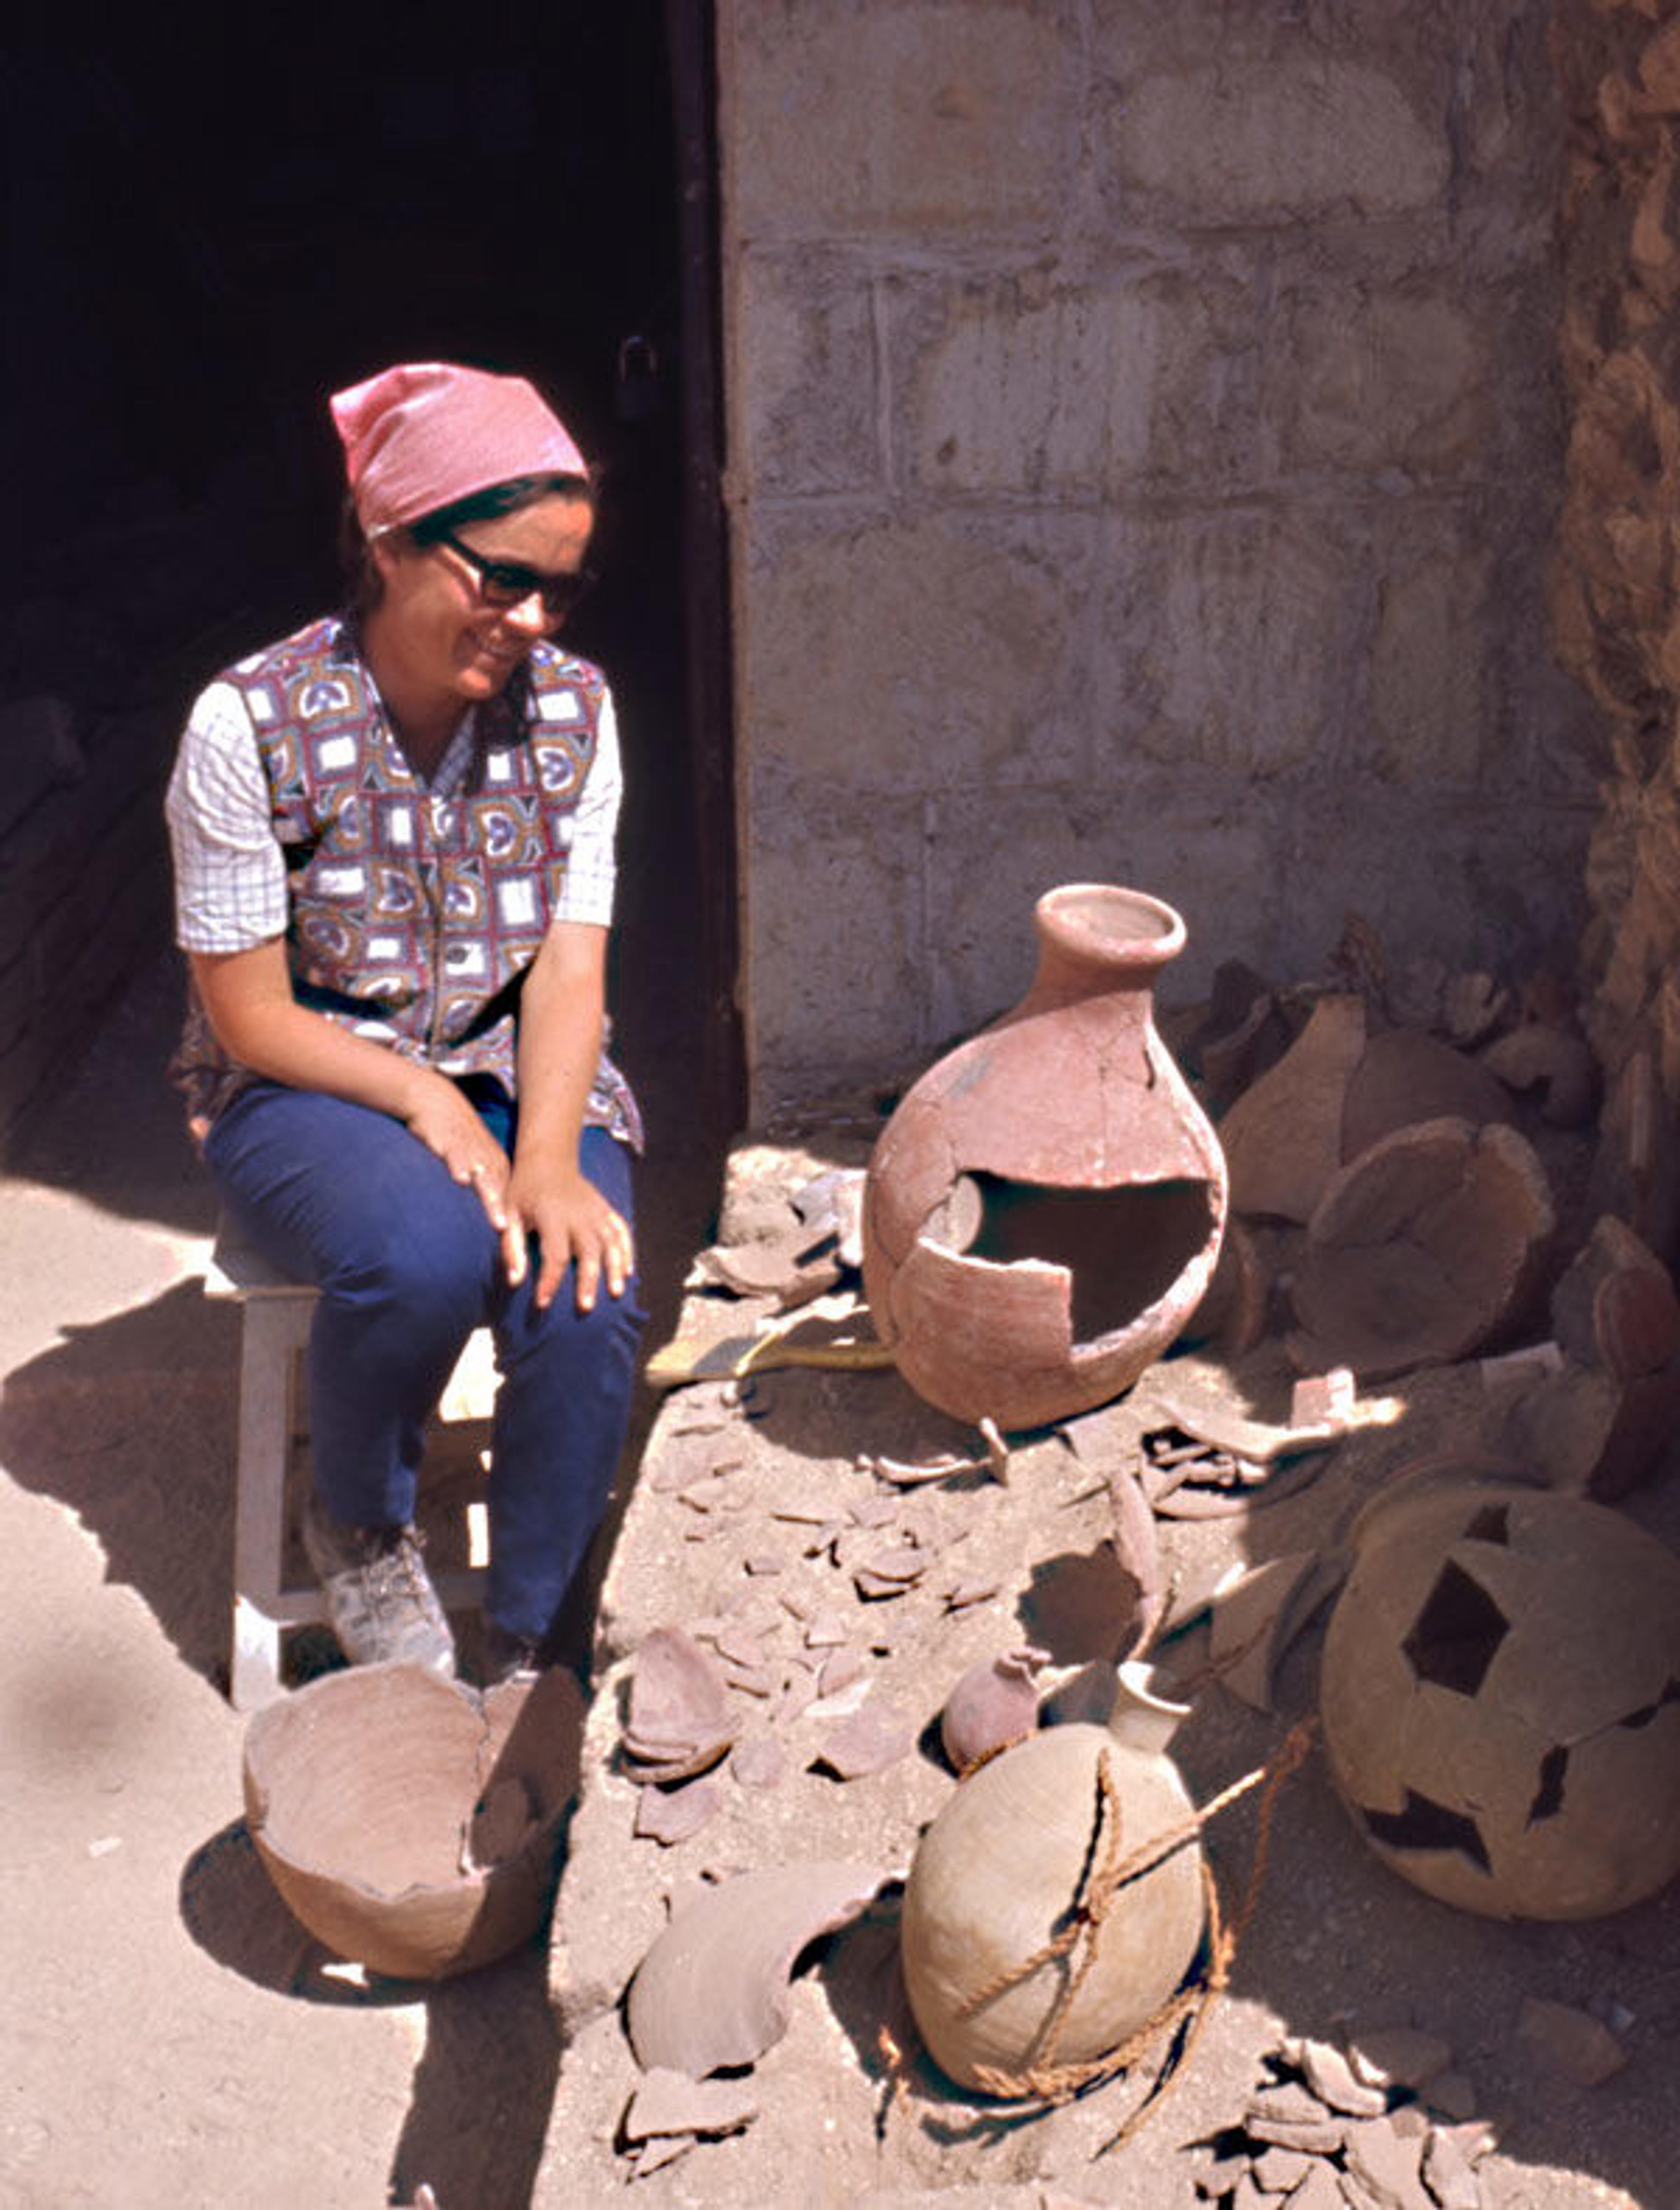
1280, 2171
1453, 2094
1283, 1138
1614, 1305
1388, 2164
1103, 1187
1471, 1007
759, 1762
1240, 1033
875, 1736
713, 1989
1572, 2042
668, 2102
1232, 1314
1557, 1063
1254, 1620
1202, 1401
1137, 1547
1422, 1249
679, 1721
791, 1270
1318, 2190
669, 1816
1449, 2175
1081, 1605
1330, 2077
1404, 1077
1397, 2057
839, 1672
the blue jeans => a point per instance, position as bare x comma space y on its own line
408, 1265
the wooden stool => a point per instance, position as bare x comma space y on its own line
274, 1324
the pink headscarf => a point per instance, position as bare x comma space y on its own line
421, 435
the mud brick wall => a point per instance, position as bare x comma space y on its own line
1145, 440
1616, 610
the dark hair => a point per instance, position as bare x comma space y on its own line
364, 585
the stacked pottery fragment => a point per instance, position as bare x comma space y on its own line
1373, 2126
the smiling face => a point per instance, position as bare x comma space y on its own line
436, 643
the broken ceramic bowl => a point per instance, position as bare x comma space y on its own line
409, 1824
1501, 1699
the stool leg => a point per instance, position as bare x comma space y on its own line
254, 1676
275, 1328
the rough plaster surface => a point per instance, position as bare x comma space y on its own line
1144, 447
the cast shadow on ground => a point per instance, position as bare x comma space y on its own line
114, 1133
131, 1422
485, 2084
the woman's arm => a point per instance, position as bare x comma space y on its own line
561, 1021
247, 996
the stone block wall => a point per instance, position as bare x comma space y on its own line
1144, 443
1614, 600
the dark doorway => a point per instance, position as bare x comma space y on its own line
217, 216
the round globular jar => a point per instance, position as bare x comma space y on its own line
1019, 1848
1044, 1212
1501, 1696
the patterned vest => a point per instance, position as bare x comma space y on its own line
414, 917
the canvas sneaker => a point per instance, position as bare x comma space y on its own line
379, 1600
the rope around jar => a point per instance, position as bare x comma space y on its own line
1046, 2082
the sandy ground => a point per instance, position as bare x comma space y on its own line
171, 2037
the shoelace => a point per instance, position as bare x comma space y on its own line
399, 1570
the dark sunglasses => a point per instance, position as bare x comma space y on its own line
506, 583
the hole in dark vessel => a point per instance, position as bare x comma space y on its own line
1458, 1631
1423, 1825
1549, 1796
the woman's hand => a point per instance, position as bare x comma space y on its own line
574, 1225
443, 1119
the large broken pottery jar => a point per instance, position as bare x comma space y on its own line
1501, 1695
1056, 1902
1043, 1211
410, 1824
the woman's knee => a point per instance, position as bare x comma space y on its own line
597, 1343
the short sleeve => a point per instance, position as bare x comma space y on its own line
592, 871
230, 875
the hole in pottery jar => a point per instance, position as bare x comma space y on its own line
1646, 1712
1124, 1248
1424, 1824
1457, 1633
1491, 1524
1549, 1796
